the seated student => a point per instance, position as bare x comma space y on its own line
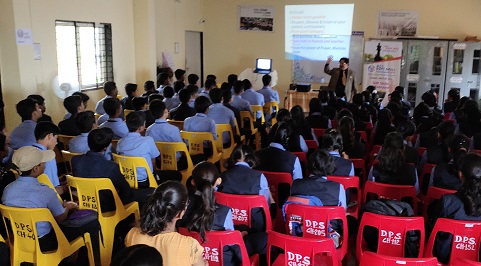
407, 129
464, 205
383, 126
86, 123
296, 142
158, 231
193, 79
46, 134
113, 109
221, 114
237, 100
160, 130
208, 86
110, 88
169, 99
41, 103
201, 122
94, 165
27, 192
162, 82
439, 153
74, 106
137, 255
316, 119
253, 97
353, 145
392, 167
446, 175
131, 91
332, 143
270, 95
204, 214
135, 144
300, 124
23, 135
140, 104
149, 88
183, 110
85, 99
284, 161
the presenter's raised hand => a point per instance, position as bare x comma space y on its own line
329, 60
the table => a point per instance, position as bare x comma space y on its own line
299, 98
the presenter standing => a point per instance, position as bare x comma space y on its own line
342, 79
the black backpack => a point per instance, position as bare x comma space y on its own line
391, 208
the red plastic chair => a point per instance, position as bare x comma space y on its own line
311, 144
315, 221
301, 251
333, 123
425, 173
433, 194
391, 234
388, 191
475, 151
360, 164
370, 258
375, 150
446, 116
242, 206
352, 182
465, 262
215, 242
364, 136
319, 132
466, 237
275, 181
302, 159
421, 151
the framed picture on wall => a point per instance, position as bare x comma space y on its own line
255, 18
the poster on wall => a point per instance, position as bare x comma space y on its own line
397, 23
255, 18
382, 65
24, 36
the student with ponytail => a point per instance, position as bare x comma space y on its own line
157, 227
446, 175
204, 214
465, 204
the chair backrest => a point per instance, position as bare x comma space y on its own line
23, 236
311, 144
433, 194
97, 116
221, 128
371, 258
466, 238
465, 262
334, 123
475, 151
421, 151
360, 164
271, 107
195, 142
276, 181
388, 191
318, 132
128, 167
127, 112
363, 136
114, 143
177, 123
168, 157
425, 173
259, 108
214, 243
300, 251
242, 206
43, 178
246, 115
316, 221
67, 159
65, 140
353, 183
391, 233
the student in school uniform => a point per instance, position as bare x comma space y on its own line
74, 106
131, 91
41, 103
183, 110
110, 89
270, 95
23, 135
113, 109
332, 143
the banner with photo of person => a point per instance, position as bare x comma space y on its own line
255, 18
382, 65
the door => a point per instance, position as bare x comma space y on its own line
194, 63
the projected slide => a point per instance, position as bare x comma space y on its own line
314, 32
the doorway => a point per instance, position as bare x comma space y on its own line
194, 54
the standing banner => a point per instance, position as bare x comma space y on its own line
382, 65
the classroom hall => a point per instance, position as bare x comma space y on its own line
143, 29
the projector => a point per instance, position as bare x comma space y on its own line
303, 87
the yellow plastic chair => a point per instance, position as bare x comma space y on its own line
128, 167
196, 144
23, 240
43, 178
221, 128
268, 109
65, 140
67, 159
97, 116
168, 157
177, 123
127, 112
237, 131
259, 108
88, 196
246, 115
114, 144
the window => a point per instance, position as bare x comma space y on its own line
84, 54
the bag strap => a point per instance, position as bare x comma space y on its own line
396, 207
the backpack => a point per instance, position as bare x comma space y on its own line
295, 222
391, 208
